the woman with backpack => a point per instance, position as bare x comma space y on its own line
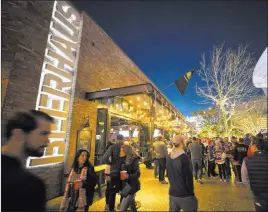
80, 186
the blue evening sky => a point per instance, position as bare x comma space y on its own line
166, 38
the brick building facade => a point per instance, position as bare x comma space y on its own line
98, 63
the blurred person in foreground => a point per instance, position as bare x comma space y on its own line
255, 173
180, 176
27, 135
79, 190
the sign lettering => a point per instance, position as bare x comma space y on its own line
57, 78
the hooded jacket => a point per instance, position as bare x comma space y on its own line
179, 174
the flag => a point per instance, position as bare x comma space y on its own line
182, 82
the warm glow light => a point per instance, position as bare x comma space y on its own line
55, 89
130, 101
138, 98
139, 106
145, 103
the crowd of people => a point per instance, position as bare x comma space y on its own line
182, 161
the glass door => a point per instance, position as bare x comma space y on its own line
101, 131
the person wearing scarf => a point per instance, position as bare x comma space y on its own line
79, 190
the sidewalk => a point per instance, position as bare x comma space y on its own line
212, 196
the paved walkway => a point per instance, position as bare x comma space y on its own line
213, 195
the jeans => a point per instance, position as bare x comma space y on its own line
162, 168
114, 185
197, 168
128, 201
211, 168
222, 171
238, 172
187, 204
156, 168
228, 166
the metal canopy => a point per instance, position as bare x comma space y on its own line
132, 90
124, 91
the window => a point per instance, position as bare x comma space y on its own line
100, 143
49, 102
53, 84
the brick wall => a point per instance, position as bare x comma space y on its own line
25, 26
102, 64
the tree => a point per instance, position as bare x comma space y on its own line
210, 122
251, 116
228, 81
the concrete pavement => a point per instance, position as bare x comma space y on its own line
213, 195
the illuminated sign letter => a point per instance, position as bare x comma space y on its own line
56, 83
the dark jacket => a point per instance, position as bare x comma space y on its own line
257, 166
133, 170
114, 153
180, 174
21, 190
240, 152
90, 184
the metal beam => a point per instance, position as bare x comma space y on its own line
125, 91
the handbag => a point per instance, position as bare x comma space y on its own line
126, 190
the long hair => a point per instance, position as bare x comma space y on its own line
75, 165
129, 151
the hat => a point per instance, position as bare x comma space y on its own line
120, 137
178, 139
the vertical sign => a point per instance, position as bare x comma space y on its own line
54, 96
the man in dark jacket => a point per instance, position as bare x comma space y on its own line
257, 177
240, 152
112, 158
181, 191
27, 135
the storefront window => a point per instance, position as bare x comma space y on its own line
144, 141
100, 136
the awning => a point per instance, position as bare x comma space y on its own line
147, 88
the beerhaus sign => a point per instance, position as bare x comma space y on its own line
57, 78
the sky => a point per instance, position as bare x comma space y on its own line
166, 39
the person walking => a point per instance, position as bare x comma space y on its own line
196, 152
180, 176
257, 178
160, 150
240, 152
130, 182
79, 190
26, 135
112, 158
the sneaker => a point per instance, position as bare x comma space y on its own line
221, 180
224, 181
106, 207
164, 182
